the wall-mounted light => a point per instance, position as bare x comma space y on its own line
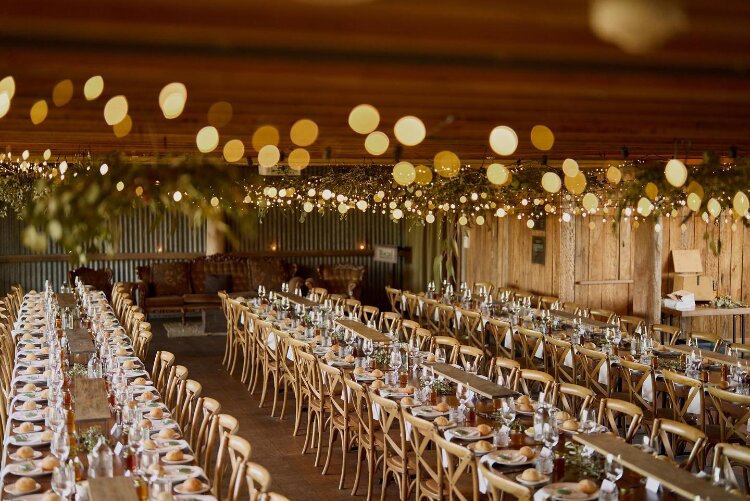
274, 247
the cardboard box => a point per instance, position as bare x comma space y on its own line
688, 275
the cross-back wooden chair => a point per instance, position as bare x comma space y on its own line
353, 307
499, 486
636, 379
706, 338
450, 344
394, 298
409, 328
504, 371
258, 481
163, 362
729, 457
390, 321
177, 375
487, 287
370, 313
742, 350
446, 319
145, 336
221, 425
318, 294
470, 329
629, 323
234, 452
245, 332
531, 382
229, 342
682, 391
500, 334
294, 378
272, 360
423, 337
572, 308
189, 394
430, 318
560, 359
205, 409
673, 437
369, 444
316, 403
429, 480
396, 463
532, 348
594, 370
459, 471
665, 334
412, 311
601, 315
733, 412
614, 414
546, 302
341, 423
471, 357
572, 398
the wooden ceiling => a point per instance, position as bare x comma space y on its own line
463, 66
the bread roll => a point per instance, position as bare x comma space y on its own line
24, 484
431, 358
51, 496
25, 452
121, 351
192, 485
408, 389
523, 399
359, 371
587, 486
147, 395
31, 370
377, 373
330, 355
128, 364
140, 381
45, 351
50, 463
483, 446
407, 401
29, 405
149, 445
377, 384
349, 359
527, 451
483, 429
146, 423
30, 357
46, 436
570, 425
26, 427
525, 408
29, 388
441, 421
174, 455
442, 407
156, 413
167, 433
562, 416
531, 475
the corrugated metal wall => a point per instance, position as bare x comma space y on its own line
143, 233
327, 233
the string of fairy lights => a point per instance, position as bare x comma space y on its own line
415, 191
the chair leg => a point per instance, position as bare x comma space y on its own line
331, 436
234, 361
344, 450
357, 471
384, 486
298, 412
370, 473
320, 438
264, 390
307, 431
283, 401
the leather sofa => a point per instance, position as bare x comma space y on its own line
183, 286
342, 278
101, 279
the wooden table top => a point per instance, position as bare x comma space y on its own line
481, 386
714, 356
296, 299
706, 311
363, 331
66, 300
676, 479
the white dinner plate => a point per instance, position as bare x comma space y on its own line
185, 459
30, 439
27, 469
509, 457
36, 455
180, 490
11, 489
568, 491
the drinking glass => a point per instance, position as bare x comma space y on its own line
508, 411
613, 467
367, 348
395, 360
149, 458
60, 445
55, 419
588, 423
160, 486
550, 435
440, 354
64, 480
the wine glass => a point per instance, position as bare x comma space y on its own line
60, 445
550, 435
395, 360
613, 468
508, 410
440, 354
64, 480
588, 423
367, 348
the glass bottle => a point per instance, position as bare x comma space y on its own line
540, 418
101, 460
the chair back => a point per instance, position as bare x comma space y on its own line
665, 334
409, 328
560, 359
531, 382
221, 425
500, 485
532, 348
601, 315
595, 371
673, 435
234, 452
420, 438
504, 371
614, 414
390, 321
710, 338
733, 413
486, 287
394, 430
501, 334
458, 462
370, 313
572, 398
449, 344
394, 298
682, 391
258, 481
637, 378
412, 305
471, 358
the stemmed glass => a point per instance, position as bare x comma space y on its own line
588, 423
508, 411
64, 480
395, 361
613, 468
550, 434
55, 419
367, 348
60, 445
261, 292
440, 354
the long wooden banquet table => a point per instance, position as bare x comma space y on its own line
91, 407
632, 485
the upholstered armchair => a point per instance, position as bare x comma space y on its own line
98, 279
340, 278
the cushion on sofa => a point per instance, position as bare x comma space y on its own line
269, 272
217, 282
171, 278
164, 301
218, 264
193, 299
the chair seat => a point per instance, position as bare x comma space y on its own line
397, 462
